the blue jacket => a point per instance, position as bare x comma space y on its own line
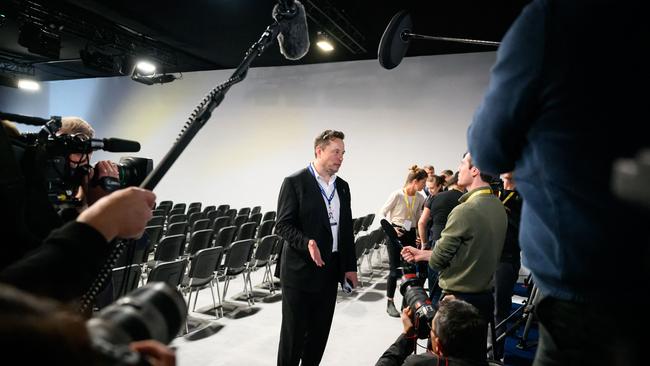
567, 97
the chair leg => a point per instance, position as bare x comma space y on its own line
214, 303
216, 282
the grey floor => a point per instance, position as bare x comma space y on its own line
361, 329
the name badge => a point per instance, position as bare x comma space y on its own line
407, 225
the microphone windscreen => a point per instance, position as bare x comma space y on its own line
120, 145
392, 47
294, 36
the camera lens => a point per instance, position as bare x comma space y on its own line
154, 311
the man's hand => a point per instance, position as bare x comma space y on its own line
155, 352
123, 213
314, 252
352, 276
411, 254
406, 322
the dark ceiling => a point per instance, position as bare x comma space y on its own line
196, 35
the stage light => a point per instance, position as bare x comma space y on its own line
146, 68
29, 85
324, 43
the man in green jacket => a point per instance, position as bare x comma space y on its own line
468, 251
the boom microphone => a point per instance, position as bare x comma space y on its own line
115, 145
294, 35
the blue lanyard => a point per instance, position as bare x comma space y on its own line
322, 191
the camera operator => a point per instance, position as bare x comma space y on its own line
39, 331
62, 263
89, 190
456, 335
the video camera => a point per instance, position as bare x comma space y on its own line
48, 153
422, 311
154, 311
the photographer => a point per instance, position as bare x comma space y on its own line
456, 336
39, 331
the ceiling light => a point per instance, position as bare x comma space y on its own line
324, 43
29, 85
146, 68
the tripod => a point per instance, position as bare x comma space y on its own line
524, 314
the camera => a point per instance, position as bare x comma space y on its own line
49, 154
154, 311
422, 311
132, 171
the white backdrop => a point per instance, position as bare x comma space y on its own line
417, 113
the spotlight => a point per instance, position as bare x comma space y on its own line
153, 78
324, 43
146, 68
29, 85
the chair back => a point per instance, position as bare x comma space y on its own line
171, 272
125, 279
264, 250
204, 262
207, 209
246, 231
240, 220
356, 225
225, 236
367, 221
195, 205
238, 256
177, 228
244, 211
169, 247
266, 228
255, 217
256, 209
176, 218
156, 220
199, 240
194, 216
201, 224
269, 215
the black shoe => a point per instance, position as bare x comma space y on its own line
390, 309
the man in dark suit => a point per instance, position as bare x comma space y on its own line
315, 219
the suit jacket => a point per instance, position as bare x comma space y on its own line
302, 215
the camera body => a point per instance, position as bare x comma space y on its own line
154, 311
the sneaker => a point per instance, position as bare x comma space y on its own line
390, 309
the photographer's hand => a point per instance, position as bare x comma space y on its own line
156, 353
314, 252
123, 213
409, 330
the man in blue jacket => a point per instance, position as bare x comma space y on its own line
561, 107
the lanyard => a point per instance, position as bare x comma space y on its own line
322, 191
412, 205
480, 192
509, 196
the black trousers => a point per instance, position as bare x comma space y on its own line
505, 279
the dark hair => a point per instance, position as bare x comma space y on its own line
447, 172
460, 329
438, 180
416, 173
324, 138
453, 180
28, 323
487, 178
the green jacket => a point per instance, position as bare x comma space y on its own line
468, 251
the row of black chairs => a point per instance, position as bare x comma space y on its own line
206, 268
